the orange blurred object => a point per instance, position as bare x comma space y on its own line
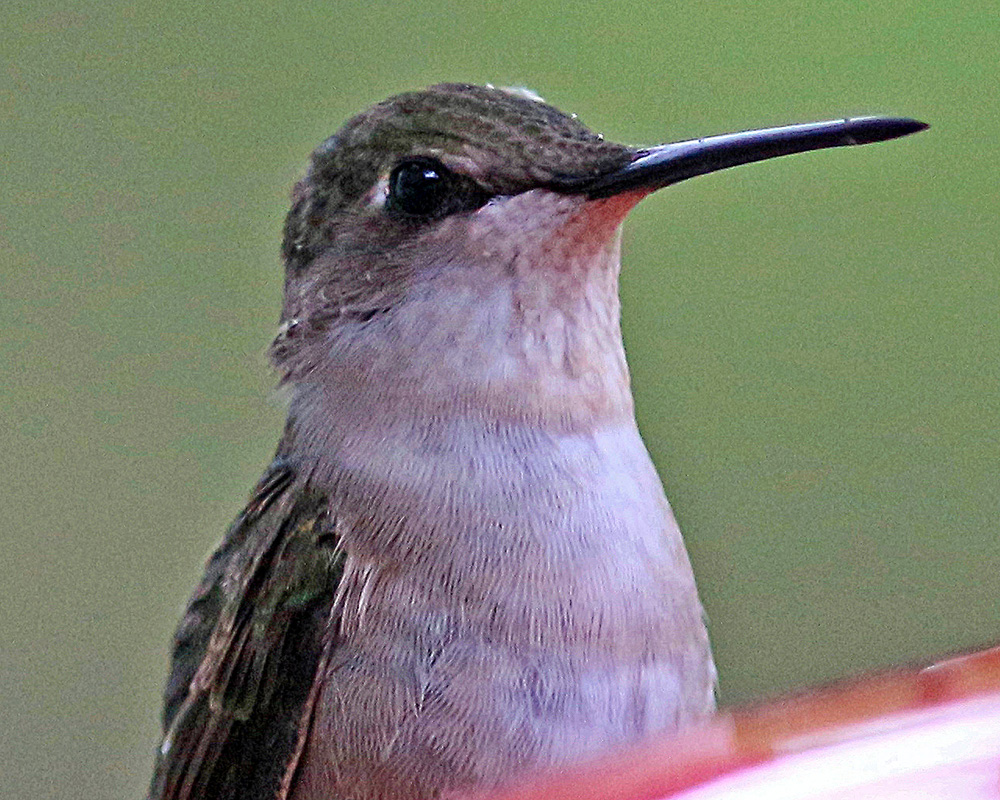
930, 733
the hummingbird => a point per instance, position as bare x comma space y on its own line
461, 565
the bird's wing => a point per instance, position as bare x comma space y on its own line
248, 648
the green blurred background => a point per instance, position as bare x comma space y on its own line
814, 340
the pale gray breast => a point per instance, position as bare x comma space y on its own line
536, 608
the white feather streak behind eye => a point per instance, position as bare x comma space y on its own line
379, 193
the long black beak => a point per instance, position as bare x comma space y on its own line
656, 167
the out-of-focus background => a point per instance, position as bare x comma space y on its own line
815, 341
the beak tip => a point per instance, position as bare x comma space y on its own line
880, 129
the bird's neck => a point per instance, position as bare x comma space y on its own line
541, 518
495, 398
497, 423
540, 453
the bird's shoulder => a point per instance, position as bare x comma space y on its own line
248, 648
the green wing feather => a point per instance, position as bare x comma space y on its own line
246, 652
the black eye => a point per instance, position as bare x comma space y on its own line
418, 188
425, 188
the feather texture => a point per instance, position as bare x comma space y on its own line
247, 650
